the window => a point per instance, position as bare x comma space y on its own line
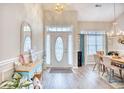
27, 44
48, 52
70, 50
59, 29
95, 42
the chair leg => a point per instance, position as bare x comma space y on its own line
99, 68
102, 67
103, 73
120, 71
107, 70
103, 70
111, 74
94, 66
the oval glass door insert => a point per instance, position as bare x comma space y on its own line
59, 49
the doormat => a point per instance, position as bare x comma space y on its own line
117, 83
60, 70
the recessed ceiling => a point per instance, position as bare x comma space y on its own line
89, 11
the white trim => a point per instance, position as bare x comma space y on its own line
12, 60
2, 76
85, 46
75, 67
4, 72
8, 60
4, 62
38, 52
7, 69
90, 63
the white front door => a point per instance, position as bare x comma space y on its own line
59, 49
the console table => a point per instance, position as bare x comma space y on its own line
29, 70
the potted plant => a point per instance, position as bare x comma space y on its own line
16, 83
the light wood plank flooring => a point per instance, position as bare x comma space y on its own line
81, 78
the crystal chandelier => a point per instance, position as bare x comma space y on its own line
116, 31
59, 8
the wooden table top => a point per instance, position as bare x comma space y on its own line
26, 68
115, 59
118, 60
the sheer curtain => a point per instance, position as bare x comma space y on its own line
96, 41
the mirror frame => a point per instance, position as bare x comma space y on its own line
23, 36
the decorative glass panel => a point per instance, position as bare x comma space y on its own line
59, 29
70, 50
59, 49
27, 44
48, 52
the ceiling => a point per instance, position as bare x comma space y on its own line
88, 11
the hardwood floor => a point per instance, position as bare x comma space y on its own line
81, 78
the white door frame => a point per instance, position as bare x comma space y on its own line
69, 48
64, 58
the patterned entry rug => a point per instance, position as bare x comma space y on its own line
60, 70
116, 81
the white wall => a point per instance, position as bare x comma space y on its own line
35, 18
117, 46
11, 17
87, 26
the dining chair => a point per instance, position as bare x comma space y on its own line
110, 68
97, 62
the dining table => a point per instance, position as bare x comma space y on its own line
119, 60
115, 60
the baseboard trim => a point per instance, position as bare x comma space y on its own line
90, 63
75, 67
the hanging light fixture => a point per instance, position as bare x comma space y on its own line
115, 28
59, 8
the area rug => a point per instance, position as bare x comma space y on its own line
60, 70
116, 82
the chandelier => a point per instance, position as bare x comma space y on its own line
115, 31
59, 8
